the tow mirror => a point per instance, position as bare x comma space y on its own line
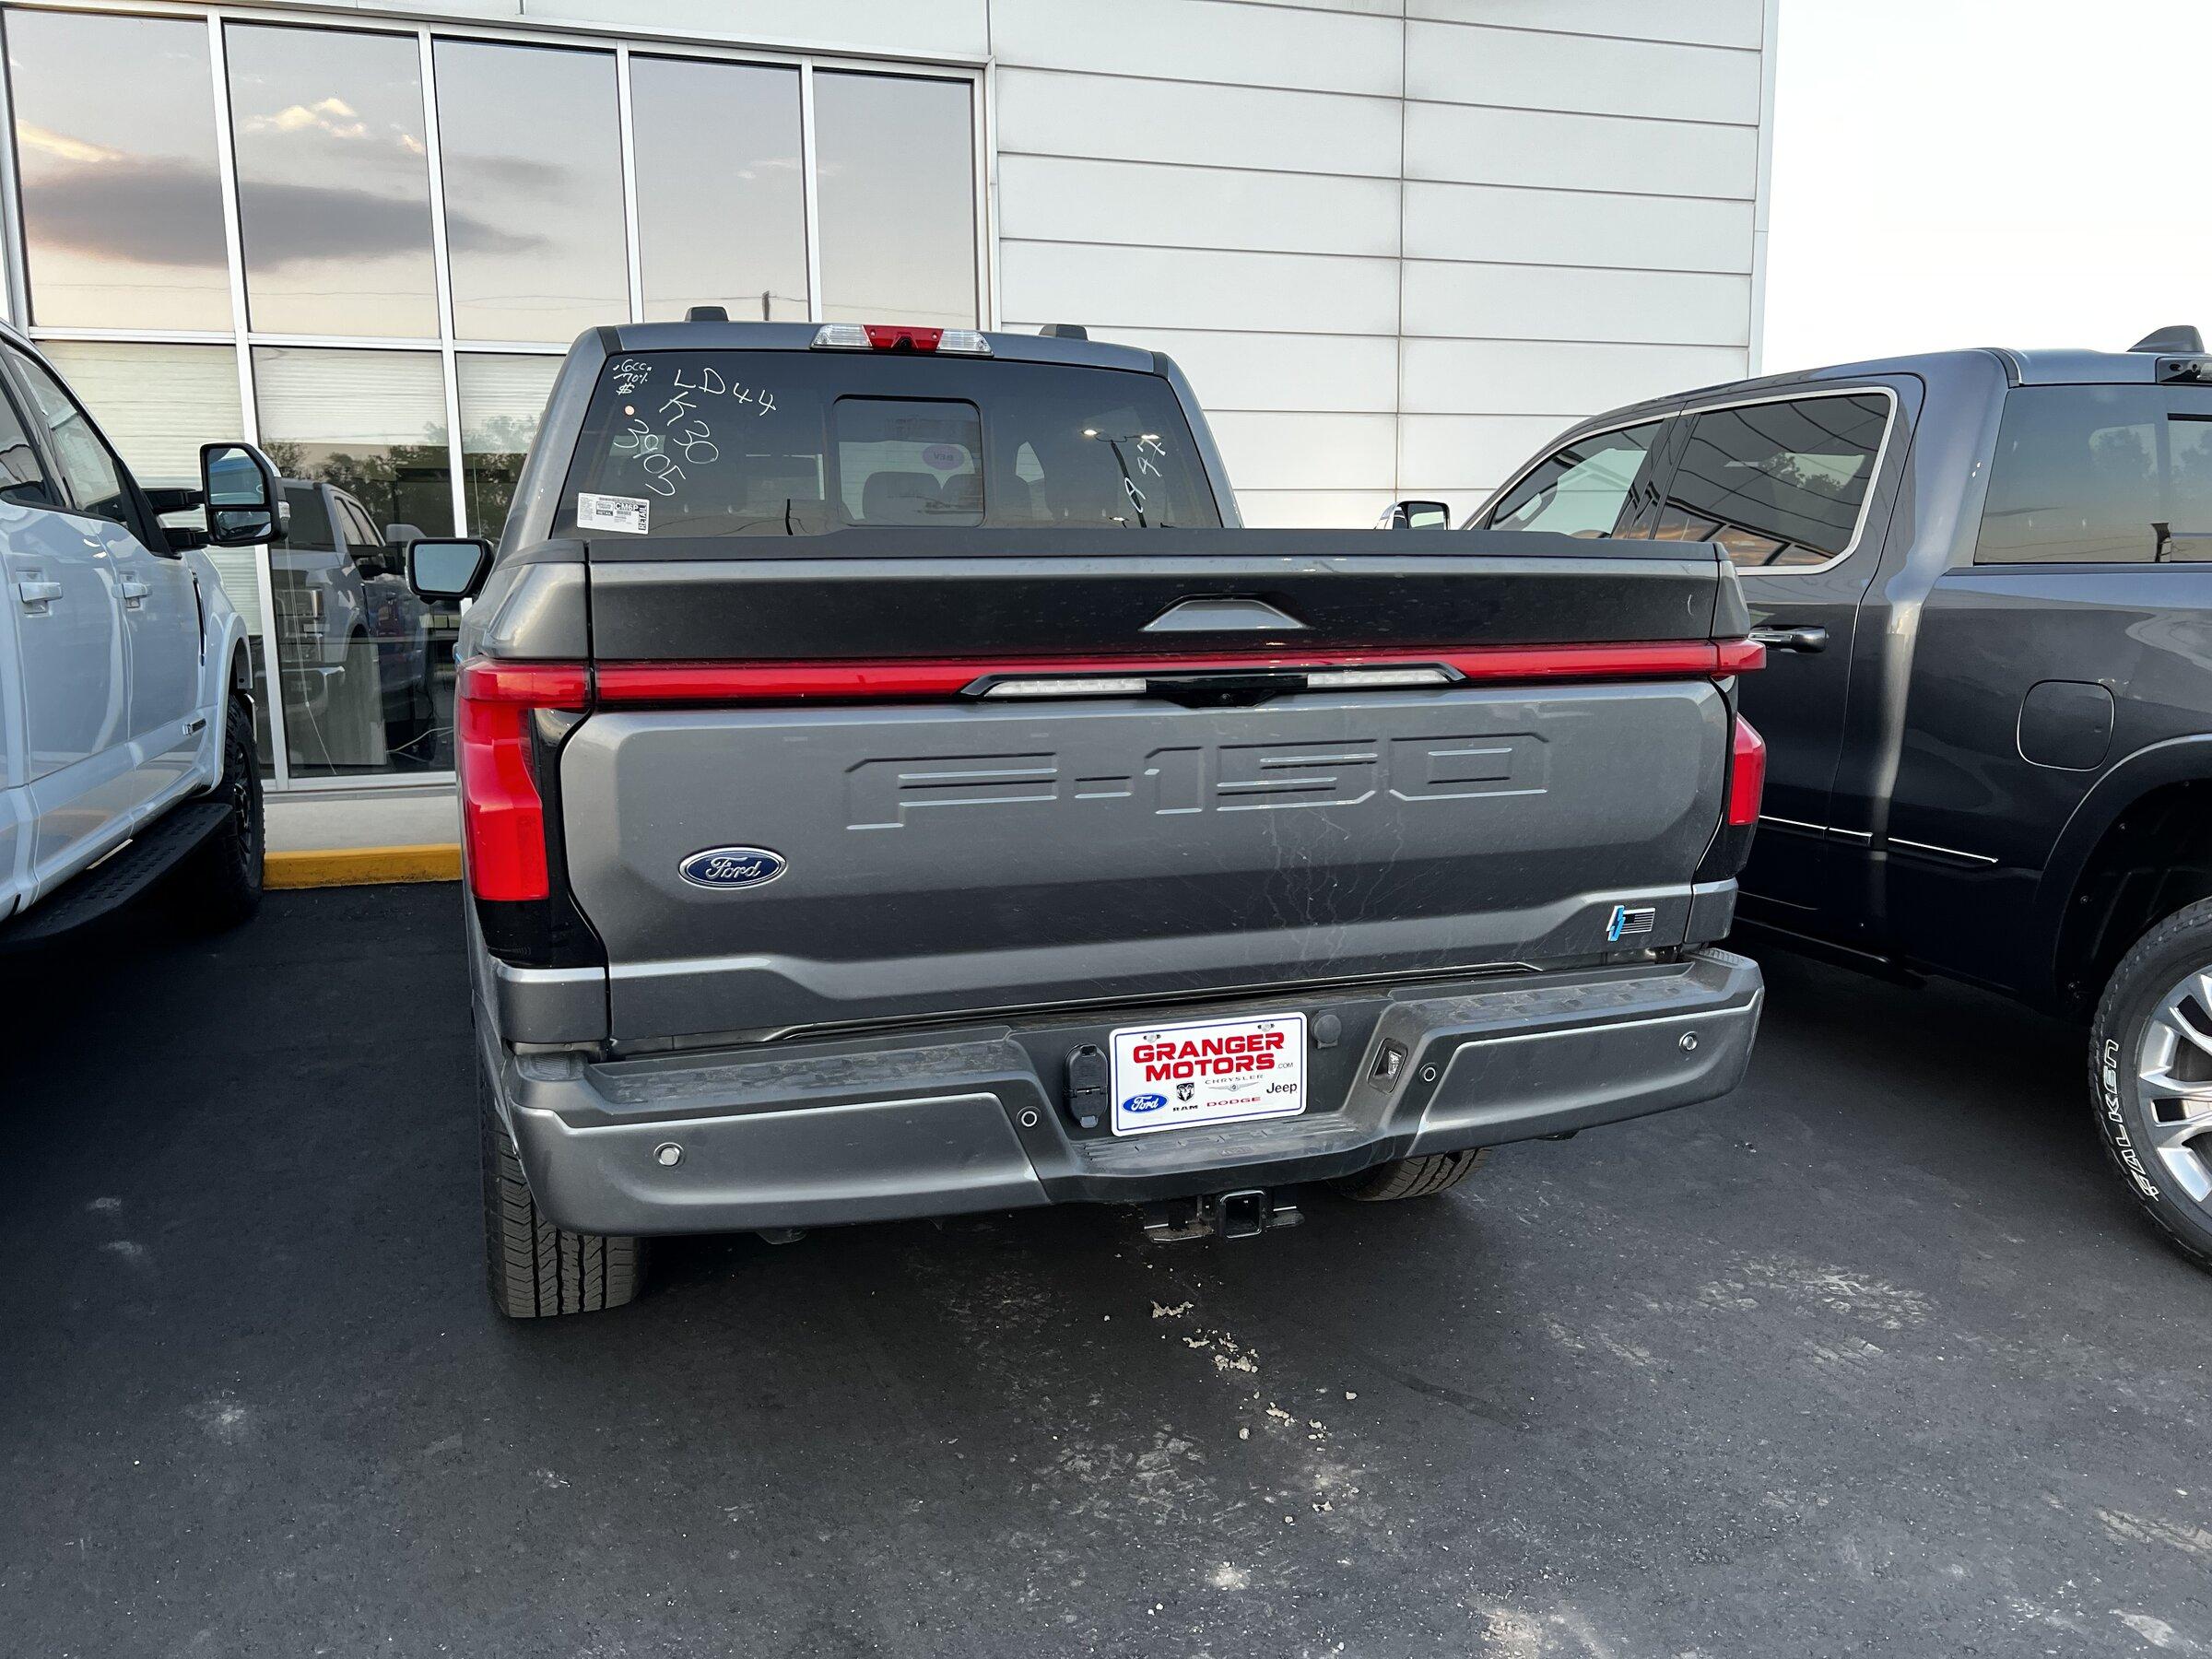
448, 568
240, 488
1416, 516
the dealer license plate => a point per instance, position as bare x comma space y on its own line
1211, 1071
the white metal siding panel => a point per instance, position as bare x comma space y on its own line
1375, 296
1353, 510
1176, 287
1372, 8
1563, 303
1559, 227
1201, 41
1305, 452
954, 29
1566, 379
1045, 112
1596, 74
1053, 198
1580, 152
1700, 22
1472, 450
1299, 371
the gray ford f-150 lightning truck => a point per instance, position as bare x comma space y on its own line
894, 786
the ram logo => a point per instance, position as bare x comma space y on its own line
728, 867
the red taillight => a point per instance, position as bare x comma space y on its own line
1747, 774
902, 336
502, 814
857, 681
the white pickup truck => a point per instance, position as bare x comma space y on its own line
127, 712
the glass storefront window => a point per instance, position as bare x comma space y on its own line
334, 182
123, 210
365, 668
121, 135
721, 204
533, 170
157, 405
501, 400
896, 182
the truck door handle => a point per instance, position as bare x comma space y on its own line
1806, 640
38, 596
133, 591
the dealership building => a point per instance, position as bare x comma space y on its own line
1394, 244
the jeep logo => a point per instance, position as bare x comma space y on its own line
1230, 777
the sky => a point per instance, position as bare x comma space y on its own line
1986, 173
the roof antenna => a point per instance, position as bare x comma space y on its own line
2177, 337
1064, 331
707, 313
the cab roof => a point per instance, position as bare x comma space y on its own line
799, 336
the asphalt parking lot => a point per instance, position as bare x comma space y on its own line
1871, 1357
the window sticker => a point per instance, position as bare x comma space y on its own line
632, 515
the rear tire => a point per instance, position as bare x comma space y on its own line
218, 886
2150, 1076
1412, 1177
538, 1270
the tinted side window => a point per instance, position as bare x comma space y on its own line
22, 480
90, 472
361, 531
1586, 488
2098, 475
1777, 484
307, 524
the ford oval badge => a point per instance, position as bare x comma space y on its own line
1143, 1102
732, 867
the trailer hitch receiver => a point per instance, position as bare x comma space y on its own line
1243, 1214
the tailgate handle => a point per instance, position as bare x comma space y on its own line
1222, 615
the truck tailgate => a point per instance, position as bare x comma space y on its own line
930, 853
942, 860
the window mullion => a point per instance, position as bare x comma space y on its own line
441, 264
813, 192
249, 412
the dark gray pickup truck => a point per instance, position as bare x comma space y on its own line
1987, 578
893, 786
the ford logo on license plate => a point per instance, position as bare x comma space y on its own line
732, 867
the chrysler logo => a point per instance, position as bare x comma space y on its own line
732, 867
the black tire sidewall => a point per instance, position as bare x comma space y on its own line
226, 874
246, 835
2178, 945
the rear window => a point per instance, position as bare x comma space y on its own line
798, 442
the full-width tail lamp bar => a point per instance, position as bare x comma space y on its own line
504, 815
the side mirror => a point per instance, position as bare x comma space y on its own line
398, 536
240, 488
1416, 516
448, 568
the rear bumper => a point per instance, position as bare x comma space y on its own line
974, 1119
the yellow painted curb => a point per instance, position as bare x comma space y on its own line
360, 866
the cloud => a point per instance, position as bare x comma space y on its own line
330, 115
168, 213
45, 141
